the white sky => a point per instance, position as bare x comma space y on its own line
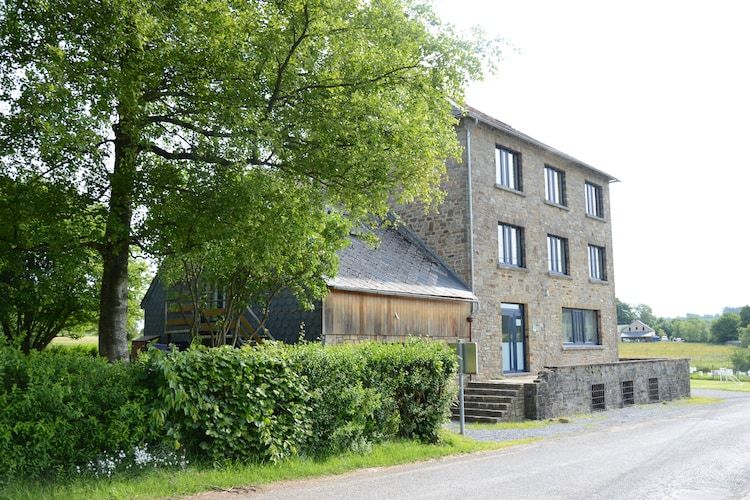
656, 93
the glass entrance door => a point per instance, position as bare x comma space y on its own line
514, 338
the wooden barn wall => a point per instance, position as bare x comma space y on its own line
352, 316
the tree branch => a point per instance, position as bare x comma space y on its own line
282, 67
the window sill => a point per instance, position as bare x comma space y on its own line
596, 217
510, 190
557, 205
598, 282
510, 267
561, 276
582, 347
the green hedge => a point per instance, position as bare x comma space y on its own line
60, 409
266, 403
232, 404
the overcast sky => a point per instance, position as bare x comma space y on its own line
655, 93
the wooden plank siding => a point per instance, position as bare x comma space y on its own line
352, 316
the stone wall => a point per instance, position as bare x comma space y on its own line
566, 390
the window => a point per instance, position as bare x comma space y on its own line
580, 326
557, 254
508, 168
594, 200
597, 397
628, 396
653, 390
510, 245
597, 263
554, 186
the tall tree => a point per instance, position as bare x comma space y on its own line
346, 96
725, 328
48, 280
745, 316
625, 314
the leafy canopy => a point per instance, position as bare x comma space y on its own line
138, 103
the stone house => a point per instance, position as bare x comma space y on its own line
528, 228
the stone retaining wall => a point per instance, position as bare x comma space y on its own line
567, 390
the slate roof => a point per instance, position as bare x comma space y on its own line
400, 265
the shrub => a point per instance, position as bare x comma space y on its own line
418, 379
232, 404
741, 360
60, 408
345, 415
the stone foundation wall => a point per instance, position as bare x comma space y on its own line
567, 390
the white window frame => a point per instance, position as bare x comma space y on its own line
510, 245
594, 200
597, 263
554, 185
507, 168
557, 254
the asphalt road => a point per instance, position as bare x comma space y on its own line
700, 451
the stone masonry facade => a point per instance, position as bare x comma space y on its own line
542, 294
571, 390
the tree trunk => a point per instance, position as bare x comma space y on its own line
113, 301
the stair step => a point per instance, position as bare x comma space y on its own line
495, 385
481, 413
479, 391
487, 399
479, 420
474, 405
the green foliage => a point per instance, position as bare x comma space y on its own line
418, 377
725, 328
232, 404
271, 402
741, 360
691, 329
59, 409
743, 333
48, 280
347, 415
625, 314
346, 102
745, 316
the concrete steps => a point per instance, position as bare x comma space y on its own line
488, 402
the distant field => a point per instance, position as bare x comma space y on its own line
701, 355
87, 340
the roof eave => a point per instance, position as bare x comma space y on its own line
504, 127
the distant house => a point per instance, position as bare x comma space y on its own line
637, 331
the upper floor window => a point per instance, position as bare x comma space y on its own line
594, 200
597, 263
557, 254
510, 245
580, 326
554, 186
508, 168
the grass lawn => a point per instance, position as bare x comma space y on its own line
195, 479
85, 340
710, 356
720, 386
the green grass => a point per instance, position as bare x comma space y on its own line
526, 424
85, 341
720, 386
710, 356
196, 479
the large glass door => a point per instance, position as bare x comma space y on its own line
514, 338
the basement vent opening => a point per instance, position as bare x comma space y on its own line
653, 389
597, 397
628, 397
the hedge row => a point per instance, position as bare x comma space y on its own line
59, 410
